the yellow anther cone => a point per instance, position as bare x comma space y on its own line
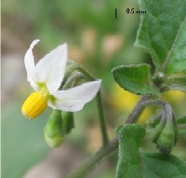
34, 105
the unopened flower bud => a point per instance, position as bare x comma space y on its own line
165, 134
53, 130
166, 140
152, 122
159, 78
68, 121
117, 129
54, 141
157, 130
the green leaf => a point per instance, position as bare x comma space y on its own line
158, 165
177, 60
162, 33
133, 163
129, 163
176, 83
135, 78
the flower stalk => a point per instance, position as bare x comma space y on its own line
74, 66
111, 146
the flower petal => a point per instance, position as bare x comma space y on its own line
75, 98
30, 65
51, 69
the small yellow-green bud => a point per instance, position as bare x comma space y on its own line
54, 141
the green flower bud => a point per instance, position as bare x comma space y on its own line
68, 121
171, 121
117, 129
53, 130
54, 141
157, 131
159, 78
164, 133
166, 140
152, 122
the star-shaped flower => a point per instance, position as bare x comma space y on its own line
46, 77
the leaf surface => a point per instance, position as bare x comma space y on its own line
135, 78
162, 33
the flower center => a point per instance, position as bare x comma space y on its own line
35, 104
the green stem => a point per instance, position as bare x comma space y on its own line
88, 165
73, 79
71, 68
103, 152
102, 122
137, 111
102, 119
142, 104
108, 147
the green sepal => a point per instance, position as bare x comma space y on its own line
68, 121
166, 140
135, 78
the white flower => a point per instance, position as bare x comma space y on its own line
46, 77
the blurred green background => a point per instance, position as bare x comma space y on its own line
98, 41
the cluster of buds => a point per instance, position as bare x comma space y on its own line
58, 125
164, 129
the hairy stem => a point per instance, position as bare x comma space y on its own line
139, 108
88, 165
104, 151
137, 111
102, 119
102, 122
76, 67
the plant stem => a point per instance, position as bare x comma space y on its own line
102, 123
108, 147
137, 111
102, 119
87, 166
141, 105
104, 151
